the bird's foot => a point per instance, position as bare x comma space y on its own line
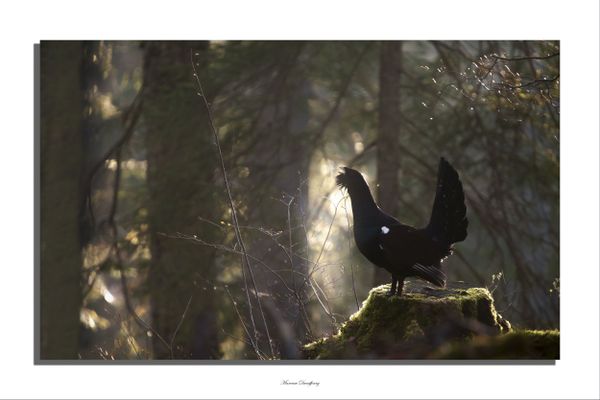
391, 293
400, 288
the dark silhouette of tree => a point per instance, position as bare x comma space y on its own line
61, 165
389, 134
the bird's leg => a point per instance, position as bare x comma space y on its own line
400, 286
393, 288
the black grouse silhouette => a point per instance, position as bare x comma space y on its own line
401, 249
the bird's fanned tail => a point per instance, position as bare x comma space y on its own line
448, 223
430, 273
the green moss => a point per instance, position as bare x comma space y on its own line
413, 331
410, 325
519, 344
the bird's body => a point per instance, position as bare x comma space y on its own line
401, 249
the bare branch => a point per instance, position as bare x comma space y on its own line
117, 252
497, 57
234, 217
179, 324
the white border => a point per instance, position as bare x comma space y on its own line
574, 23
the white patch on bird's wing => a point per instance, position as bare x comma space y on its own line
385, 230
381, 247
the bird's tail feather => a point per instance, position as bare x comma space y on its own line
431, 274
448, 223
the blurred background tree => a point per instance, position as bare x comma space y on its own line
61, 149
181, 161
152, 239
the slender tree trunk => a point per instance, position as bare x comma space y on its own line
388, 155
181, 162
61, 165
180, 180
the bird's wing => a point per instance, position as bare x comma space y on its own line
448, 223
411, 252
395, 242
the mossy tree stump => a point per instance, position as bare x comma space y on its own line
412, 325
515, 345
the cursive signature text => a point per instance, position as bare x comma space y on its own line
300, 382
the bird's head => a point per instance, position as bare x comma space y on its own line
350, 179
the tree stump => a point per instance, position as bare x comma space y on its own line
414, 325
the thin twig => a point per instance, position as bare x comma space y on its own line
252, 343
130, 118
218, 246
349, 252
234, 217
342, 93
261, 356
180, 323
525, 58
531, 83
290, 255
117, 252
289, 223
328, 232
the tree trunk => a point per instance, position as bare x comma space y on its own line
388, 156
61, 165
181, 162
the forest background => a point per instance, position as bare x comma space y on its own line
140, 259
